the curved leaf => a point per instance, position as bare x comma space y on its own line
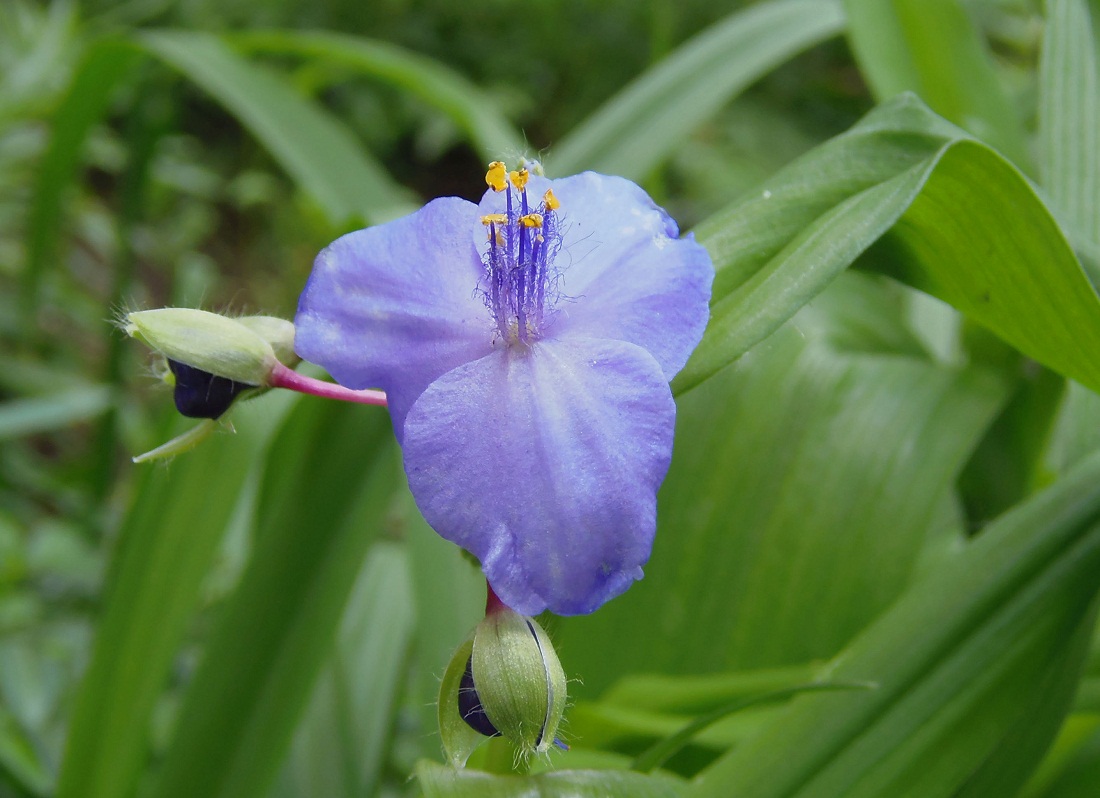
956, 658
431, 81
329, 480
443, 781
955, 219
634, 131
318, 151
168, 541
931, 47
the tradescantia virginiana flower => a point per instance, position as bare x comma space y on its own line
525, 345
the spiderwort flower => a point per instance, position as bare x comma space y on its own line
525, 345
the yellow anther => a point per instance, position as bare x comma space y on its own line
531, 220
494, 218
497, 176
519, 178
551, 201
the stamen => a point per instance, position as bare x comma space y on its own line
523, 241
496, 177
519, 178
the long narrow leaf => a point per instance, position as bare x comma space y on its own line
323, 499
1069, 117
639, 127
84, 105
931, 47
167, 543
443, 781
317, 150
953, 658
956, 220
466, 105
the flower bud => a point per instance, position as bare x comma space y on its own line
210, 343
505, 680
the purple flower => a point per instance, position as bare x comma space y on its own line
526, 345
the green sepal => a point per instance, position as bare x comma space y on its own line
459, 739
519, 679
277, 332
216, 344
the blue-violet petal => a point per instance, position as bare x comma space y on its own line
544, 462
395, 306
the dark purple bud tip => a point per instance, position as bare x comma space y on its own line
200, 394
560, 744
469, 704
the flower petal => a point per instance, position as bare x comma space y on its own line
628, 274
396, 306
545, 464
624, 273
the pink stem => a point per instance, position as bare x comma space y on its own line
283, 377
493, 603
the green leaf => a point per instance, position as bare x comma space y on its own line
316, 149
167, 543
20, 762
1040, 714
952, 217
449, 596
323, 499
658, 754
639, 127
806, 485
48, 413
431, 81
1069, 119
931, 47
347, 731
957, 660
443, 781
85, 103
1078, 766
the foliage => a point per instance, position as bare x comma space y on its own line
878, 551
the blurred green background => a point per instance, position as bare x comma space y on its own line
269, 615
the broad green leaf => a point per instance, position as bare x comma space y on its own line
316, 149
806, 483
84, 105
323, 499
931, 47
20, 417
951, 217
1069, 118
346, 732
638, 128
957, 660
166, 546
443, 781
431, 81
979, 238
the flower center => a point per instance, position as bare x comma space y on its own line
519, 266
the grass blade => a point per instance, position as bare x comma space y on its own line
635, 130
318, 151
465, 104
